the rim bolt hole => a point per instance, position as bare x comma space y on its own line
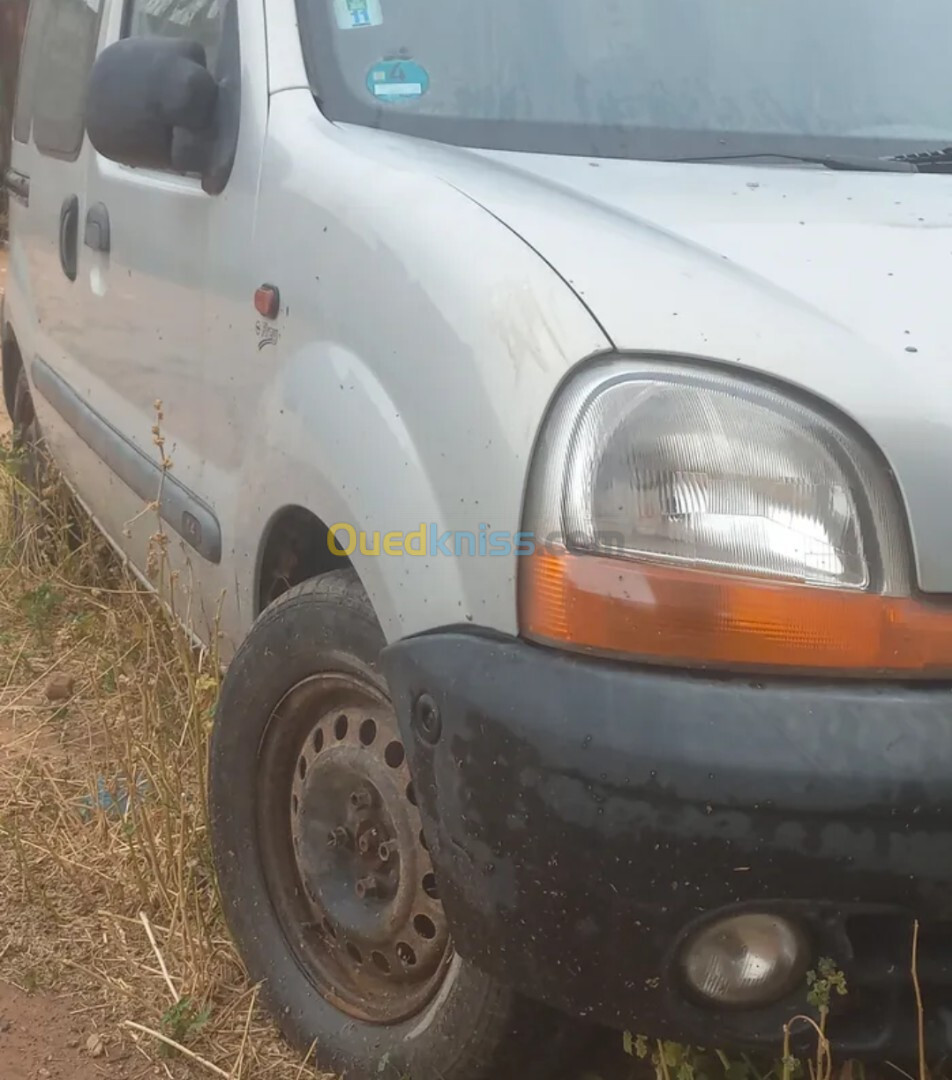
329, 929
429, 886
294, 803
394, 755
368, 732
318, 741
405, 954
354, 953
340, 727
423, 843
425, 927
302, 768
381, 962
411, 794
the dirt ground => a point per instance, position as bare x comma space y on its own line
41, 1037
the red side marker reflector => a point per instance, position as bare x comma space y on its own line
268, 301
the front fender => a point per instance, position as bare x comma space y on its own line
354, 464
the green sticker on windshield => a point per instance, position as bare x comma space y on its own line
398, 81
353, 14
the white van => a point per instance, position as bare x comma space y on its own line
556, 413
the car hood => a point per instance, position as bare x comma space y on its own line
864, 250
838, 283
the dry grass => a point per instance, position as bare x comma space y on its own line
106, 882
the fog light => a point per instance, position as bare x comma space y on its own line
745, 960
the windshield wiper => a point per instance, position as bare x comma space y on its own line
828, 161
936, 161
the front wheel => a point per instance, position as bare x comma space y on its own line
327, 884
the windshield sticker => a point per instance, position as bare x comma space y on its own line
397, 81
353, 14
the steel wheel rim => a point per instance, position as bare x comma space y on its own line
342, 847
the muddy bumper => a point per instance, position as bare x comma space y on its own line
583, 816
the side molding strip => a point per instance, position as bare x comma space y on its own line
179, 507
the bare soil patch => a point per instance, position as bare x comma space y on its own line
44, 1038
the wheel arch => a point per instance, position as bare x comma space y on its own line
331, 452
294, 548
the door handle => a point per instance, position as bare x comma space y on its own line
96, 235
69, 236
18, 185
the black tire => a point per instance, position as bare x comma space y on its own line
472, 1028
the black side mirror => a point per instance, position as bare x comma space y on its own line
152, 104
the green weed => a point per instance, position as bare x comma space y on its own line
182, 1022
39, 605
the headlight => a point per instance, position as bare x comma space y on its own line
703, 518
745, 960
687, 469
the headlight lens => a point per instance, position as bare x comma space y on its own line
689, 473
699, 518
745, 960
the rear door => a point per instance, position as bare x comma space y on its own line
47, 184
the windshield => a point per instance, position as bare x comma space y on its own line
640, 78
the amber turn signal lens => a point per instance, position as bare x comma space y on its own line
698, 618
268, 301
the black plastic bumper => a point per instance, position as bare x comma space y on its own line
582, 814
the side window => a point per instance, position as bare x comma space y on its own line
196, 20
29, 62
64, 34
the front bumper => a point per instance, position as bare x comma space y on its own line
582, 814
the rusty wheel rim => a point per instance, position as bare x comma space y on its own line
344, 855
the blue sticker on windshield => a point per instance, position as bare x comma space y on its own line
397, 81
353, 14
